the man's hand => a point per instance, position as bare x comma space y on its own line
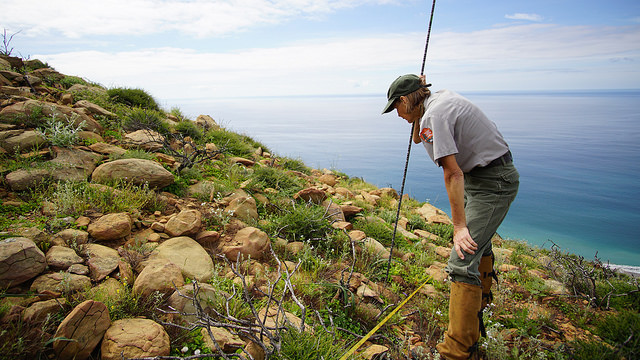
462, 241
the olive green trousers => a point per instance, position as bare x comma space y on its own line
488, 194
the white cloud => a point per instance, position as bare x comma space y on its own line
79, 18
522, 16
535, 56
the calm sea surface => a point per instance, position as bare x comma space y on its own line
578, 154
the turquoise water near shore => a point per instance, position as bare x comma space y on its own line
578, 153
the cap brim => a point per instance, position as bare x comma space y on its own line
389, 106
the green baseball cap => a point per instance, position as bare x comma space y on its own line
403, 85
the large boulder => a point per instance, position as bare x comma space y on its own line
39, 310
73, 164
227, 341
68, 165
81, 331
433, 215
375, 247
61, 257
59, 283
191, 257
102, 260
138, 171
93, 109
72, 237
134, 338
312, 195
186, 222
80, 88
158, 275
111, 227
208, 297
243, 208
24, 179
107, 149
248, 242
20, 260
146, 139
18, 141
207, 122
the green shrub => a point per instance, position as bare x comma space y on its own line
621, 330
305, 345
189, 128
144, 119
305, 222
183, 181
61, 133
234, 144
69, 81
133, 98
267, 177
35, 64
619, 293
74, 198
295, 165
175, 111
379, 230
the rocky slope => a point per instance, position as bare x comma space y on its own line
106, 285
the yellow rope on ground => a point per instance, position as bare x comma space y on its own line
377, 327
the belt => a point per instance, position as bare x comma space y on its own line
502, 160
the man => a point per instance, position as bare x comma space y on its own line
481, 183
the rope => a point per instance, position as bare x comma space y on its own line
426, 46
393, 238
406, 164
377, 327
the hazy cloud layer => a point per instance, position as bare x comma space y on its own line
366, 65
521, 16
200, 18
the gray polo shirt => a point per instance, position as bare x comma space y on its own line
453, 125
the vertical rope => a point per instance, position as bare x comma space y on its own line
426, 46
406, 164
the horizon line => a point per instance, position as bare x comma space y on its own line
382, 95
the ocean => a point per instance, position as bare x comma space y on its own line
578, 154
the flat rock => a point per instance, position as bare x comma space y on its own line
186, 253
158, 275
38, 311
72, 164
186, 222
102, 260
208, 296
111, 227
227, 341
243, 208
312, 195
60, 283
60, 257
134, 338
73, 236
146, 139
138, 171
20, 261
248, 242
107, 149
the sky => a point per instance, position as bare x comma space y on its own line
181, 50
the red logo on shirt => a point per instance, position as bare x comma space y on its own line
426, 135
